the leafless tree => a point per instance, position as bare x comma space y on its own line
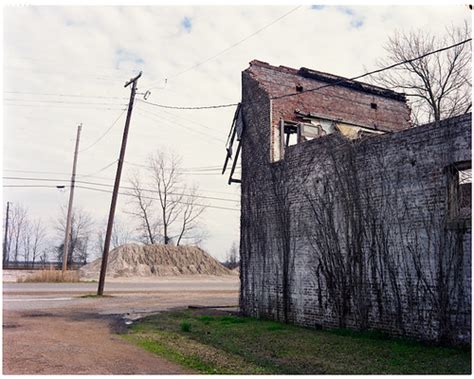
191, 211
166, 178
18, 221
438, 85
81, 230
121, 235
232, 260
33, 239
142, 209
167, 208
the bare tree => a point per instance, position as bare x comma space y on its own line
232, 256
19, 217
150, 226
438, 85
81, 229
166, 177
121, 235
167, 209
33, 239
189, 217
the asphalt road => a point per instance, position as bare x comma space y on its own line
114, 287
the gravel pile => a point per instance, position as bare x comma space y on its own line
134, 260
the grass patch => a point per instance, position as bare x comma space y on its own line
93, 296
185, 327
224, 343
51, 276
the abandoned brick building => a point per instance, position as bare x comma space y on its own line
351, 217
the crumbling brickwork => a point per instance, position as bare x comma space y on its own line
354, 233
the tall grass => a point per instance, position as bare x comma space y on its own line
51, 276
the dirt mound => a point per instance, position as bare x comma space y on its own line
156, 260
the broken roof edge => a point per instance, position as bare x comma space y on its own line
332, 79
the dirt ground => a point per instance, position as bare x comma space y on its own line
61, 333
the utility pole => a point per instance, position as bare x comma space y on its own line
67, 238
5, 239
108, 234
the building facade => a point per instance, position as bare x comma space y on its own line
351, 217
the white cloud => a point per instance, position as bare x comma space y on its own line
92, 51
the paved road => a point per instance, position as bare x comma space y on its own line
116, 287
44, 325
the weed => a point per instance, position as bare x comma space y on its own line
185, 327
51, 276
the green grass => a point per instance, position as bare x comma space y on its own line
185, 326
217, 342
93, 296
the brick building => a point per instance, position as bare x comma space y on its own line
350, 217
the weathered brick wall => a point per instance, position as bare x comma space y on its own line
399, 185
333, 101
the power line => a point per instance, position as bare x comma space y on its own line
190, 108
60, 102
65, 95
105, 133
31, 186
37, 172
342, 80
160, 118
97, 177
234, 45
153, 198
218, 171
109, 185
106, 191
63, 106
100, 170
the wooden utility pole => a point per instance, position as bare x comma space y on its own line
108, 234
5, 238
67, 238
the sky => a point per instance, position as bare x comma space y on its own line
65, 65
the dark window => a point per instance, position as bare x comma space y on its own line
460, 188
373, 105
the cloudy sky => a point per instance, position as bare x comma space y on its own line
67, 65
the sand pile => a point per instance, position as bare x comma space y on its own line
133, 260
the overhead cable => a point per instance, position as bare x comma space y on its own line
233, 45
104, 134
343, 80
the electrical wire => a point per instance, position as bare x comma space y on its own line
62, 106
38, 172
156, 119
153, 198
61, 102
233, 45
102, 177
109, 185
104, 134
342, 80
30, 186
65, 95
120, 193
99, 171
218, 171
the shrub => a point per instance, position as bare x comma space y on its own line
51, 276
185, 327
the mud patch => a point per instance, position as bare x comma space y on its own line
39, 314
10, 326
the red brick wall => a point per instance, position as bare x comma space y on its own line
333, 102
